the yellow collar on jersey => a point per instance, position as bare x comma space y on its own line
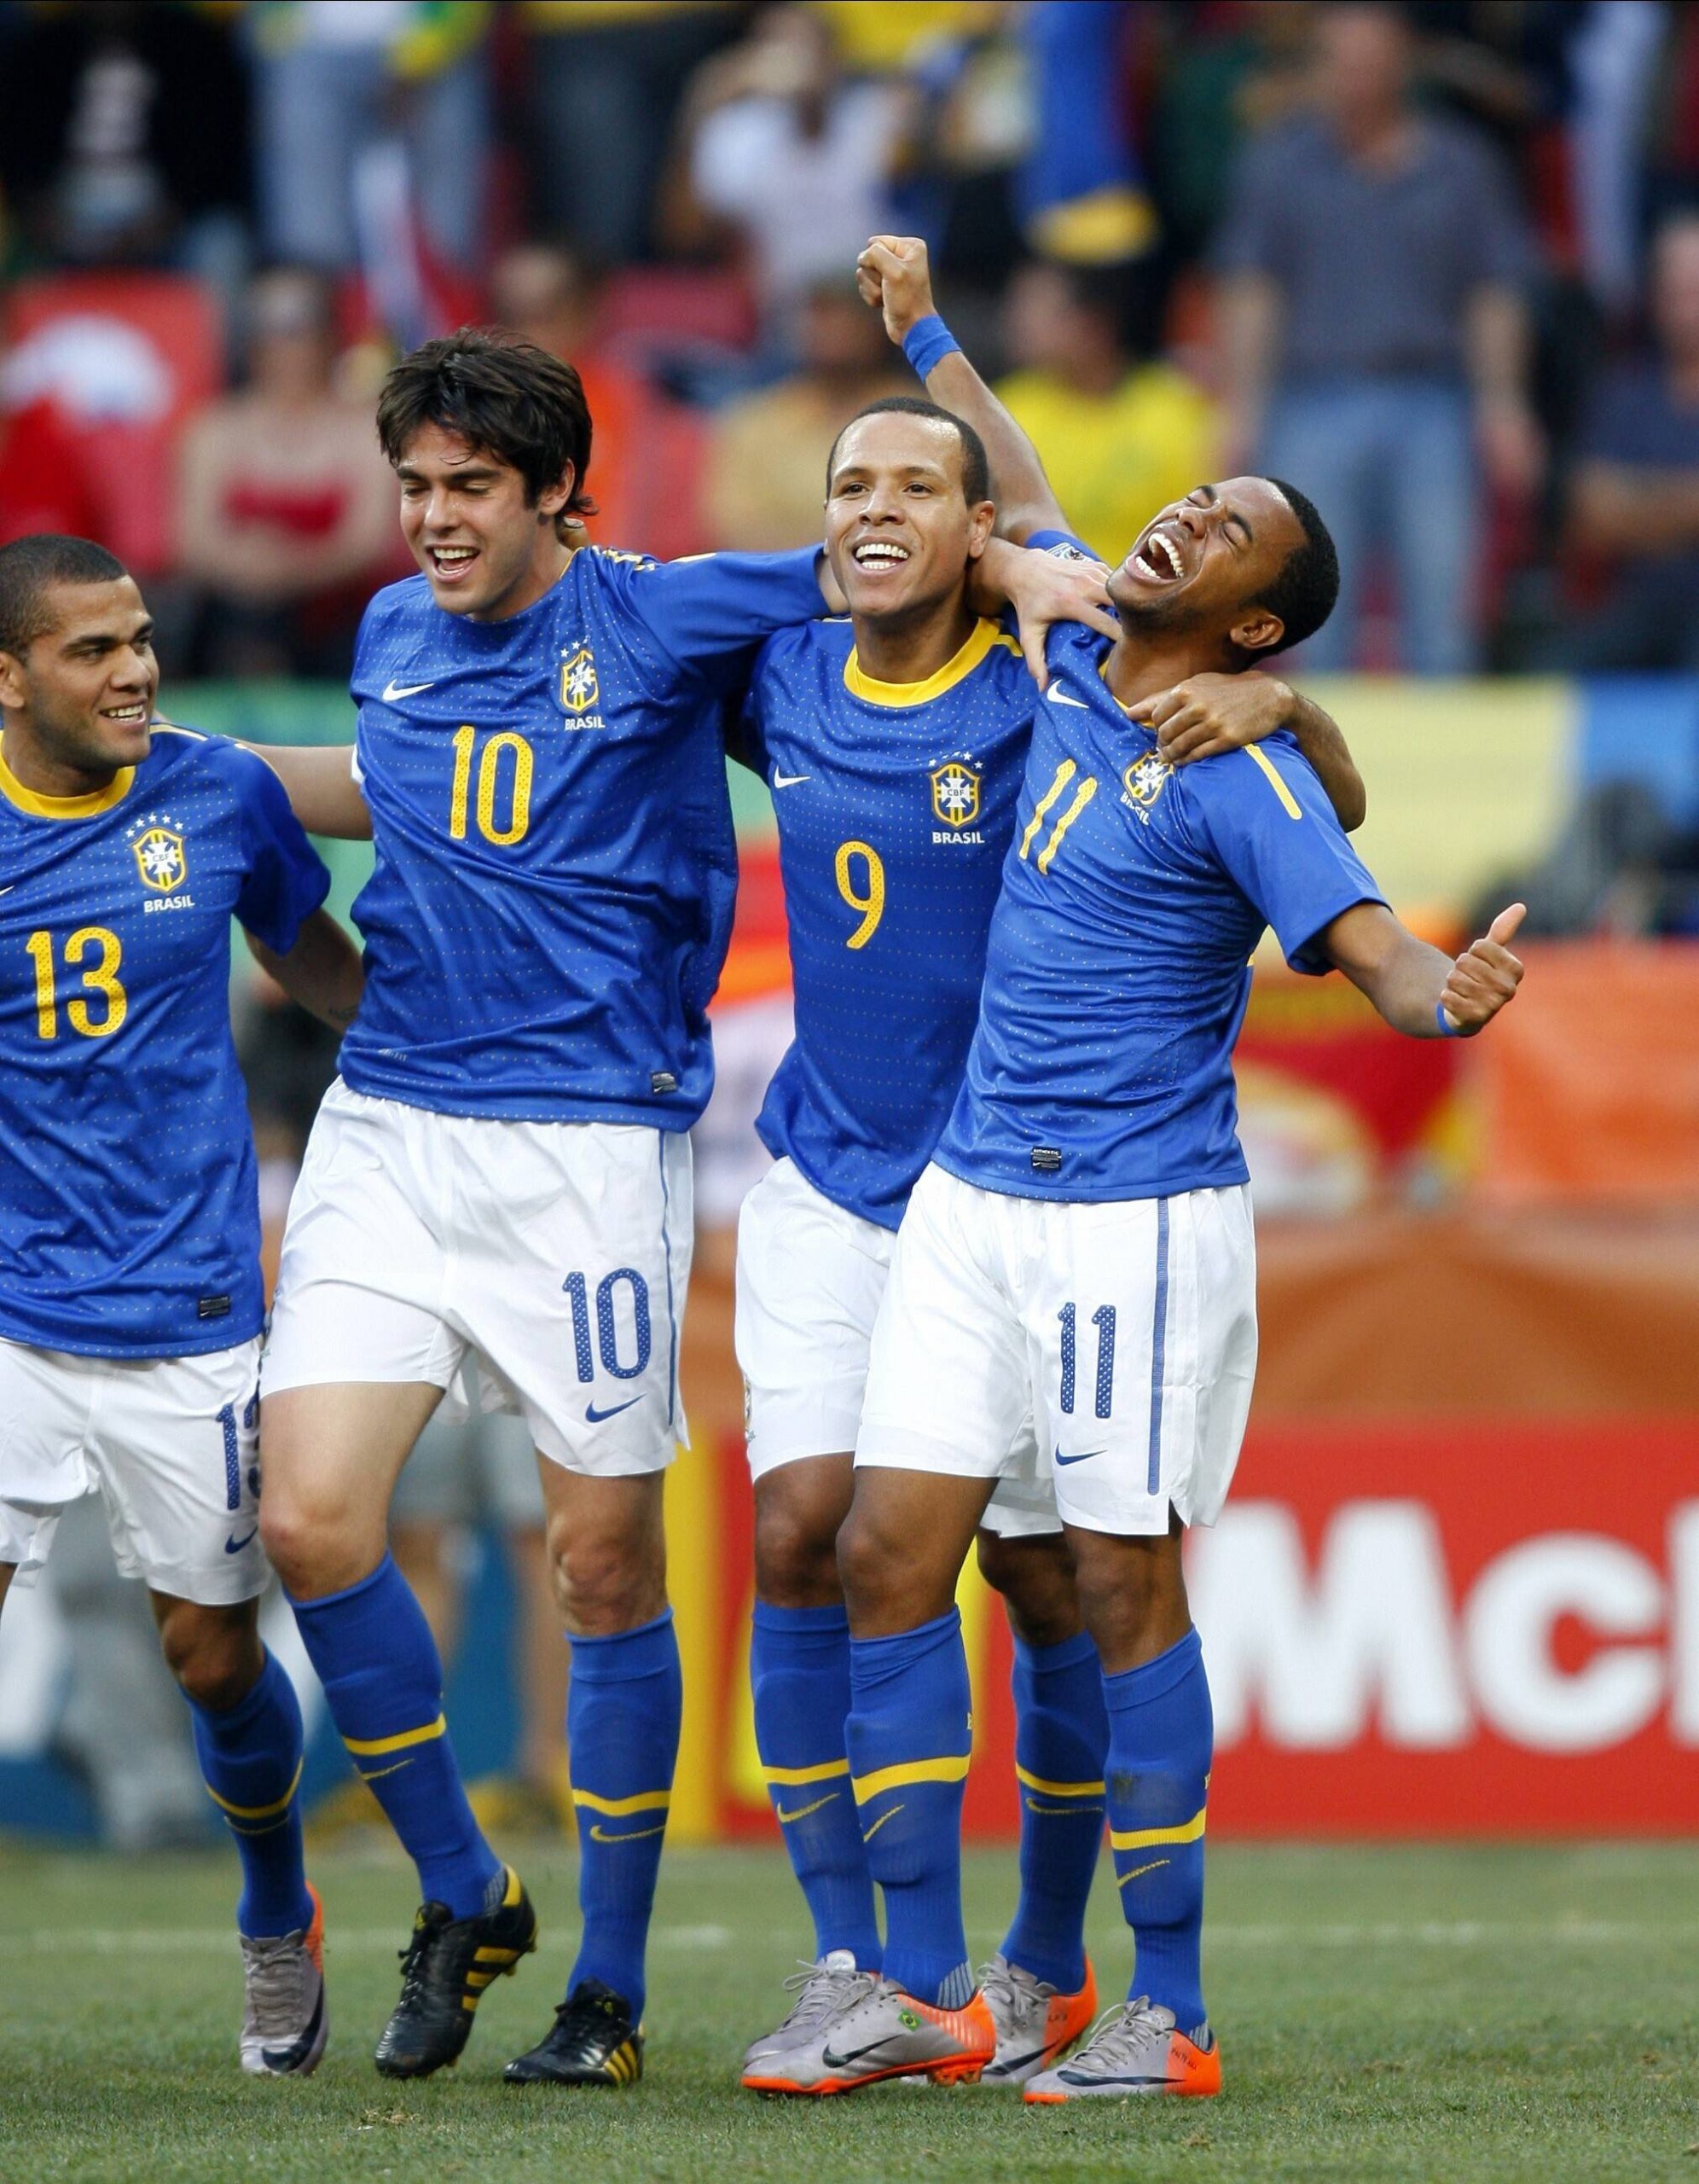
63, 807
984, 637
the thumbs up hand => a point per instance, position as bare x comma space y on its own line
1485, 976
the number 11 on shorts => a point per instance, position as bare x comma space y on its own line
1104, 1321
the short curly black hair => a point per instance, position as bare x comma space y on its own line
976, 468
1304, 592
30, 566
506, 397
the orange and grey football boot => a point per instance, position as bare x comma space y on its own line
285, 2023
1137, 2048
885, 2034
1036, 2023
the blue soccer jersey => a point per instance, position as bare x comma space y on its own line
555, 865
1116, 973
894, 803
129, 1208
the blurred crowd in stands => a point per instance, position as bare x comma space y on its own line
1437, 263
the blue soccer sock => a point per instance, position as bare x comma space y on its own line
799, 1669
1061, 1738
622, 1711
1161, 1739
383, 1680
250, 1758
908, 1736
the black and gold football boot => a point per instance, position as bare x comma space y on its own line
593, 2042
444, 1970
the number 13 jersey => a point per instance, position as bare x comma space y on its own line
555, 864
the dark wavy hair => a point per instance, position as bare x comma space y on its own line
506, 397
30, 566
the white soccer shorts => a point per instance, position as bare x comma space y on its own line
170, 1442
554, 1258
810, 1279
1128, 1329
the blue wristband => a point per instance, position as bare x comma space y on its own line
927, 343
1447, 1029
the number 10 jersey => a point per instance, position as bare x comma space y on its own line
555, 864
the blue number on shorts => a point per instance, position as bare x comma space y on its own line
1104, 1321
1066, 1316
607, 1333
233, 1458
575, 1288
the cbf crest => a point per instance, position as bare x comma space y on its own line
161, 857
955, 792
1143, 781
579, 688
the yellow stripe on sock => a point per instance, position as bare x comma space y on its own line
793, 1778
946, 1768
260, 1812
617, 1808
1058, 1789
1137, 1838
374, 1747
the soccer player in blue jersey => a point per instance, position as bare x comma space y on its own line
501, 1174
895, 742
131, 1304
1078, 1252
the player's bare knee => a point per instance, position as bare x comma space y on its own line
214, 1653
879, 1585
1035, 1577
604, 1583
796, 1554
1133, 1597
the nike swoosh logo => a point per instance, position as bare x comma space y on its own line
594, 1417
377, 1774
236, 1546
599, 1834
790, 780
1084, 1456
1154, 1865
7, 890
836, 2062
1059, 696
1063, 1812
394, 690
290, 2057
802, 1811
880, 1822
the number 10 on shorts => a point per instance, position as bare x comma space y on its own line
608, 1331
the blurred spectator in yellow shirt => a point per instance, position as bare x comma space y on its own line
1118, 437
764, 482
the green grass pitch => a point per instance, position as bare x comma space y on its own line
1451, 2015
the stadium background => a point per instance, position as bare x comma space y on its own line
1456, 1589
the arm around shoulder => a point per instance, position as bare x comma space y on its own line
319, 781
322, 972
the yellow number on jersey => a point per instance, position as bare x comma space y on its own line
102, 979
490, 771
870, 905
1081, 796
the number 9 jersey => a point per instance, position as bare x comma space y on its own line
556, 863
128, 1210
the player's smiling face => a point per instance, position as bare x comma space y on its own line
1203, 563
485, 551
78, 702
899, 530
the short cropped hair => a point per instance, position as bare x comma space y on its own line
1304, 592
30, 566
976, 470
500, 394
